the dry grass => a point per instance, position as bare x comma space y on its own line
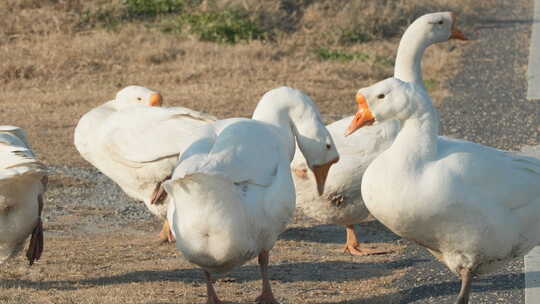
54, 70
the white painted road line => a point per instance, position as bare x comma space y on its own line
532, 276
532, 260
533, 71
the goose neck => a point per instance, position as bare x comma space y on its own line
282, 122
418, 136
408, 65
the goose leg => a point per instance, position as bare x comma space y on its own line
165, 236
266, 297
159, 195
35, 248
36, 243
210, 292
353, 246
466, 280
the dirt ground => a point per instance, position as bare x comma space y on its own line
100, 245
126, 266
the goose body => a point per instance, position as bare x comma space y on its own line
23, 182
129, 140
474, 207
232, 190
233, 203
483, 210
342, 203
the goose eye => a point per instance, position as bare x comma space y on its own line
440, 22
328, 146
139, 99
380, 96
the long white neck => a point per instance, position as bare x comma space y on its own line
295, 115
278, 117
419, 134
272, 114
409, 56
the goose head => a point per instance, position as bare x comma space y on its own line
292, 109
386, 100
436, 27
318, 148
137, 95
423, 32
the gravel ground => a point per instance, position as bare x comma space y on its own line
91, 198
488, 106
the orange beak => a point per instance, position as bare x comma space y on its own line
321, 172
363, 117
456, 34
156, 100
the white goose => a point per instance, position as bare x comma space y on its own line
129, 140
233, 191
531, 151
474, 207
342, 204
23, 180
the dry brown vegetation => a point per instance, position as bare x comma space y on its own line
60, 58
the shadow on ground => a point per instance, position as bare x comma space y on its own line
368, 232
491, 283
331, 271
449, 288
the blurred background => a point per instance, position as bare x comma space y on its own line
60, 58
